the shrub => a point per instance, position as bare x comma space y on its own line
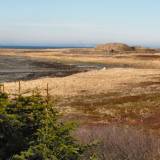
30, 130
117, 142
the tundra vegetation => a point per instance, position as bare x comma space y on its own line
116, 105
30, 130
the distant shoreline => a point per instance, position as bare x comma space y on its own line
43, 47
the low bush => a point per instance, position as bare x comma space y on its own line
30, 130
118, 142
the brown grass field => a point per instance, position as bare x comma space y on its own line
126, 91
115, 98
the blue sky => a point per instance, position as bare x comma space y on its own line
52, 22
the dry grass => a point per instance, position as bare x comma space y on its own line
118, 95
137, 60
120, 142
130, 61
101, 96
95, 82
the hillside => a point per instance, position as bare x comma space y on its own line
120, 47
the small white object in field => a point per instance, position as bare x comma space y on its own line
104, 68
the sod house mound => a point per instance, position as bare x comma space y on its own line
140, 49
114, 47
122, 48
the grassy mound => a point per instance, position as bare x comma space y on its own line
114, 47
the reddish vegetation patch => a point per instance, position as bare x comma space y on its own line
153, 121
148, 57
83, 119
140, 110
106, 99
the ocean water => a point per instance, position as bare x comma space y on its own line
41, 47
